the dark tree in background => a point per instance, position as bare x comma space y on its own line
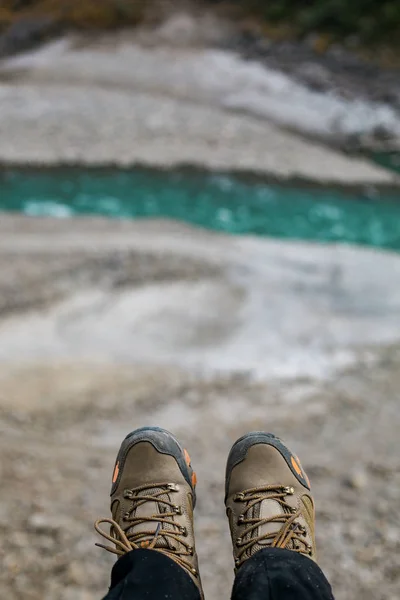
368, 19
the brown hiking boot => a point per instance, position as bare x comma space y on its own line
268, 499
152, 499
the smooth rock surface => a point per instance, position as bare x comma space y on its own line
119, 101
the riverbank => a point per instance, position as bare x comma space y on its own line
209, 270
110, 325
157, 99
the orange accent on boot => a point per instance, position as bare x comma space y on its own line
116, 473
297, 467
187, 457
145, 544
194, 479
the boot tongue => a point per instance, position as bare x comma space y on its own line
151, 509
266, 509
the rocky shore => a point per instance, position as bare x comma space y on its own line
177, 96
160, 324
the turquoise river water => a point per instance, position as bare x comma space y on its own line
220, 202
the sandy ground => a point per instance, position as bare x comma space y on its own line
63, 412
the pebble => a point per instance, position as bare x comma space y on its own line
358, 480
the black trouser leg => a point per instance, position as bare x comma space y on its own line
150, 575
271, 574
276, 574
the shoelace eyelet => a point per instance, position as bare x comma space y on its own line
127, 515
173, 487
289, 490
128, 494
178, 510
239, 541
238, 497
190, 550
183, 531
240, 519
237, 562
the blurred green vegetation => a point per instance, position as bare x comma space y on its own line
368, 20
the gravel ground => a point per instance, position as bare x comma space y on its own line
61, 420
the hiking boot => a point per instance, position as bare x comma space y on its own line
268, 499
152, 499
